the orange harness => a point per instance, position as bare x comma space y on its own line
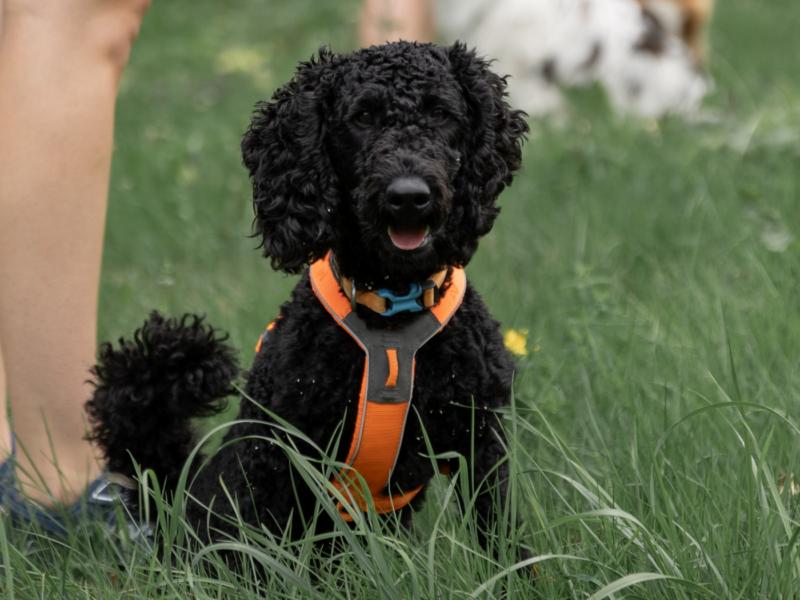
387, 383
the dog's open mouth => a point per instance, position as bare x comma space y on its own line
409, 237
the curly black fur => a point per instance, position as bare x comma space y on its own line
321, 154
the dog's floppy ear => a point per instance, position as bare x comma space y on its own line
494, 145
295, 192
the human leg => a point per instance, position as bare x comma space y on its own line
389, 20
60, 64
5, 429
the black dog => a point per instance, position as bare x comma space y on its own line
391, 157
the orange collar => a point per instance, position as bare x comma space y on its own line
420, 296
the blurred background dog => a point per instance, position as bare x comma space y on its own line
648, 55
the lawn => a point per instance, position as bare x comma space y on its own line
654, 266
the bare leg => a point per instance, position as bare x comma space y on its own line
389, 20
5, 429
60, 63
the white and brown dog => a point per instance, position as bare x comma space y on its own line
648, 55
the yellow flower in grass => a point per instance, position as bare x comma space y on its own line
516, 340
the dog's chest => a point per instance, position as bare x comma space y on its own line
310, 373
314, 373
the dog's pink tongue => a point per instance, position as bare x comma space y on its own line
407, 239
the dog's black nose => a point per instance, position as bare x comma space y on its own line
408, 196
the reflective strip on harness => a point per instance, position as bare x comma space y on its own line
391, 378
386, 387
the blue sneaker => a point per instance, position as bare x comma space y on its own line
103, 501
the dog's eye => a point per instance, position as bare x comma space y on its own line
364, 118
438, 115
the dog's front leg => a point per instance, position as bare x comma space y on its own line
484, 493
485, 490
486, 484
251, 480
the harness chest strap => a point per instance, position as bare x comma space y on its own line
387, 386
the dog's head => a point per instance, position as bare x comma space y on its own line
393, 156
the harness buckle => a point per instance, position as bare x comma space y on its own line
406, 303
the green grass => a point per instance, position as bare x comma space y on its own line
656, 268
